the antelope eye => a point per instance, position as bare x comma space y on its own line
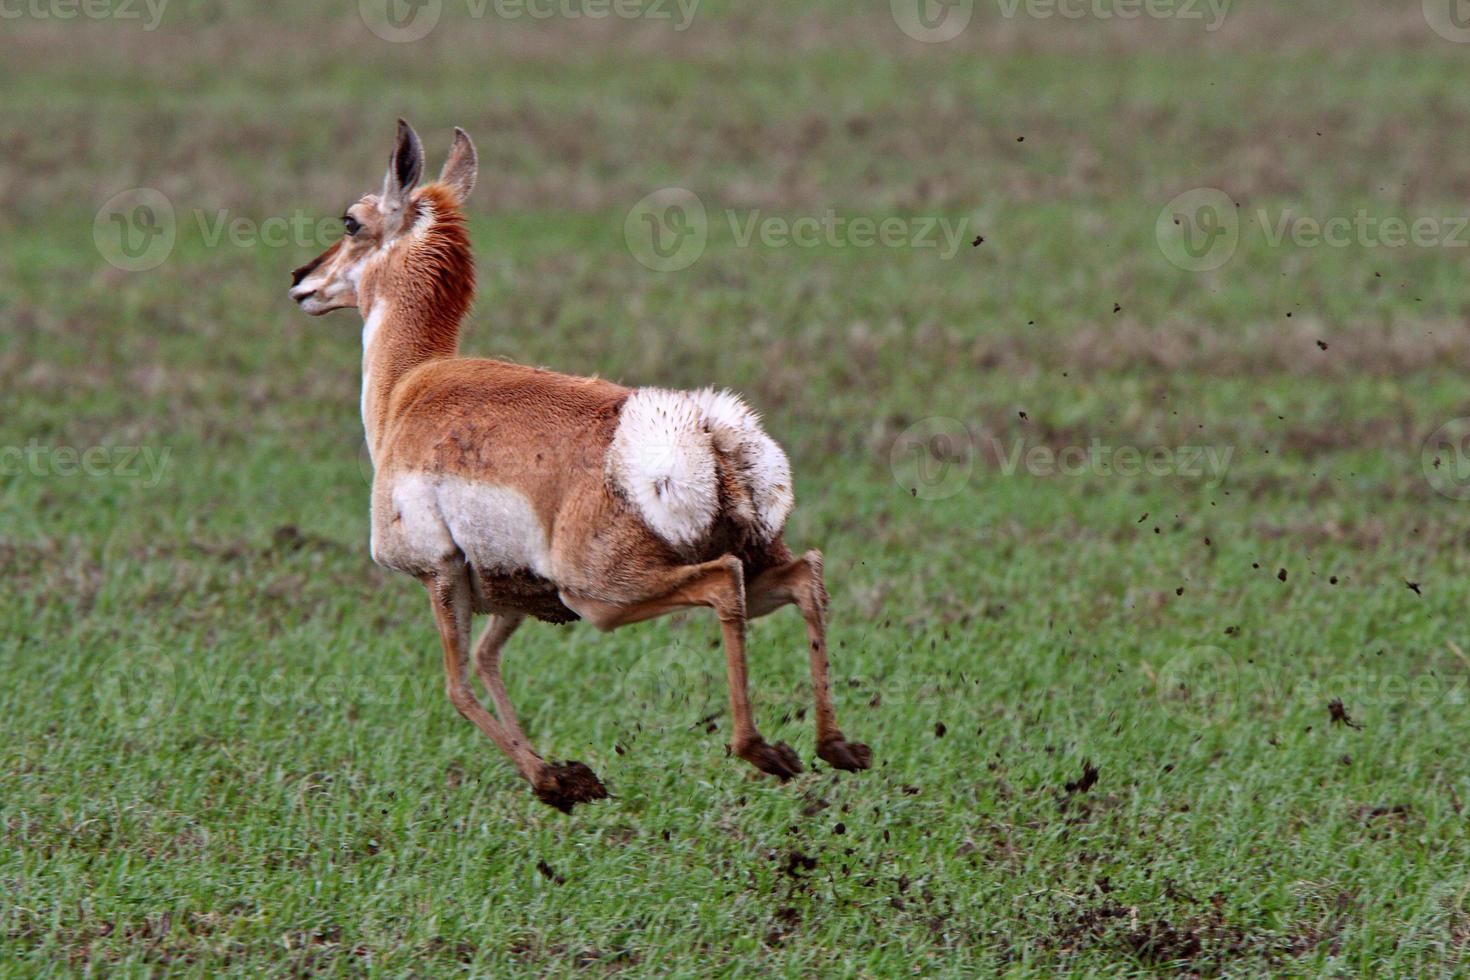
350, 223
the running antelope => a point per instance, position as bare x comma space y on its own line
515, 492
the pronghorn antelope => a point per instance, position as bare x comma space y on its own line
519, 492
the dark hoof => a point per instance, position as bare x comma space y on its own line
779, 760
565, 784
839, 753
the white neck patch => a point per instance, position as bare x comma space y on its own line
372, 325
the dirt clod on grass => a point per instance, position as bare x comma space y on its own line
1086, 781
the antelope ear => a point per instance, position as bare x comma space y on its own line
462, 167
405, 166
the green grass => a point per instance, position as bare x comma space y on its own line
224, 742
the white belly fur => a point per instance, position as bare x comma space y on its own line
421, 519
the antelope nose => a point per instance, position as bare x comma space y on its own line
300, 292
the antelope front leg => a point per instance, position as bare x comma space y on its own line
561, 786
800, 582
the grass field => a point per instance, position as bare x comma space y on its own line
1107, 538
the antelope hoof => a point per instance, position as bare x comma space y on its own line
779, 760
565, 784
839, 753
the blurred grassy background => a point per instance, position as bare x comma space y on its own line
226, 744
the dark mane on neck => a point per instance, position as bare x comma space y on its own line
439, 271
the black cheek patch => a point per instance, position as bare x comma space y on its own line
310, 267
303, 271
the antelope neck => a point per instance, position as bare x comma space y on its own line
413, 306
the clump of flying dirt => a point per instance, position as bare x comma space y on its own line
568, 783
1339, 715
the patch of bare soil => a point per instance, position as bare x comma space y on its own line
1203, 943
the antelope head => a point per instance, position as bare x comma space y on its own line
381, 231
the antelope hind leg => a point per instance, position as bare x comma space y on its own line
800, 583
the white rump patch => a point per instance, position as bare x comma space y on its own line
760, 465
662, 458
